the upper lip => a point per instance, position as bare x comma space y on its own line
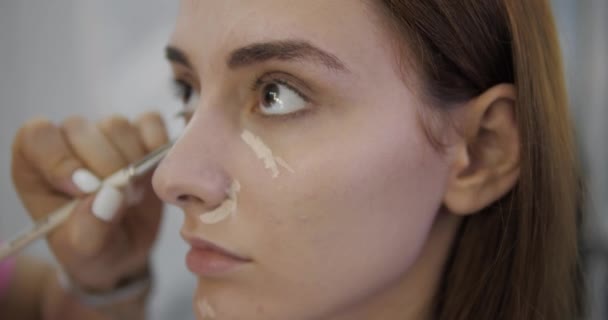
203, 244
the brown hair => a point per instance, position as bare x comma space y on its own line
518, 259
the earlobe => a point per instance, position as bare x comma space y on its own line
485, 162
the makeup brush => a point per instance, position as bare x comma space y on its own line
119, 179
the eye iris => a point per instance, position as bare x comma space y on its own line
271, 95
187, 94
183, 90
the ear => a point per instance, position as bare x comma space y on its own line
486, 161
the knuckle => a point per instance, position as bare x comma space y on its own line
75, 123
115, 124
32, 135
62, 167
151, 117
152, 130
35, 129
36, 123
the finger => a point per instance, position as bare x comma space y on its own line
149, 206
152, 130
124, 136
94, 221
92, 147
93, 239
42, 164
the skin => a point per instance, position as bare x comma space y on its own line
95, 254
374, 204
35, 294
359, 230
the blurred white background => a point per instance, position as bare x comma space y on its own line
96, 58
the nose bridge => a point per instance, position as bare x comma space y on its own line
193, 171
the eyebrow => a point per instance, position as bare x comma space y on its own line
175, 55
286, 50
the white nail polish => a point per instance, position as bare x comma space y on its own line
107, 203
86, 181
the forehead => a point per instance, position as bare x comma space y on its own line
204, 26
269, 13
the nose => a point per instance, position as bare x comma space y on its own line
191, 175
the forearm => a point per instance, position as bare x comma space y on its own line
61, 304
24, 297
35, 294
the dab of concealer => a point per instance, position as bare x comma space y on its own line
264, 153
226, 209
206, 310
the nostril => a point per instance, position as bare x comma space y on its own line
185, 198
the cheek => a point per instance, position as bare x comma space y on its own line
379, 193
358, 203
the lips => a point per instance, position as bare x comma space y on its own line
210, 260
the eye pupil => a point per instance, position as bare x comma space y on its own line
187, 94
277, 98
183, 91
271, 94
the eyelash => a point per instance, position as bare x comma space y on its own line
261, 82
184, 91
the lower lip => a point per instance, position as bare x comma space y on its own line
211, 263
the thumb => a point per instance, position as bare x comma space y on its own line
93, 223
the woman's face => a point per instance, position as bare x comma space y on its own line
339, 213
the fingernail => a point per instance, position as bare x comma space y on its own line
107, 203
86, 181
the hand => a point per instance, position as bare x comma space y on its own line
107, 238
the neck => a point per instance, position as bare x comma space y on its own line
411, 298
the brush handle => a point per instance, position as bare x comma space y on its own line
56, 218
40, 229
118, 180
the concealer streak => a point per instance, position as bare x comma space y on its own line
205, 310
284, 164
263, 152
226, 209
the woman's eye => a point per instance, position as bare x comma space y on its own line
186, 93
182, 90
280, 99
